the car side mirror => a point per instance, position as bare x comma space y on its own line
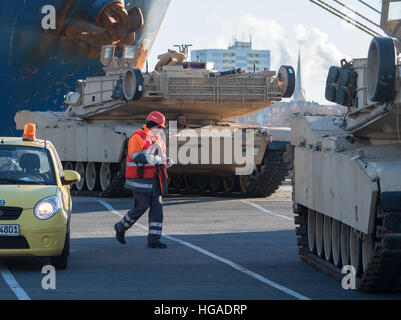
70, 178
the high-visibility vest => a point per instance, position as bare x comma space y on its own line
153, 145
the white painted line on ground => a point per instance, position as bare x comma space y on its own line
273, 200
267, 211
12, 283
218, 258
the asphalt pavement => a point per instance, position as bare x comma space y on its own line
219, 249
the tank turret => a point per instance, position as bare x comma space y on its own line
176, 86
347, 169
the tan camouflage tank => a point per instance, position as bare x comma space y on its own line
347, 169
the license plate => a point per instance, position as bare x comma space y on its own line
9, 230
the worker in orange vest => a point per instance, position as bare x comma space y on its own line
146, 176
182, 122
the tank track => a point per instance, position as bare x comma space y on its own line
383, 274
272, 174
116, 188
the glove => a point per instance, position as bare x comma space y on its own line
159, 161
154, 161
169, 163
139, 158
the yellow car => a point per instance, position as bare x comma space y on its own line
35, 200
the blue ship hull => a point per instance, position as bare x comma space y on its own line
38, 67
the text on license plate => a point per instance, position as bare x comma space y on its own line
9, 230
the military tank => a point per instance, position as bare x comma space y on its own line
104, 111
347, 169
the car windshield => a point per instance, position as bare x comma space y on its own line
25, 165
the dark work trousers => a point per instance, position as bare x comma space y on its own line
142, 202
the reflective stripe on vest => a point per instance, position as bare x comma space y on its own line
133, 164
135, 184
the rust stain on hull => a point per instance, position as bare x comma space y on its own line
114, 25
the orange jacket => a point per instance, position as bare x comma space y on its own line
145, 142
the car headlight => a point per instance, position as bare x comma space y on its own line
47, 208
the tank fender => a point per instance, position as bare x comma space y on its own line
281, 137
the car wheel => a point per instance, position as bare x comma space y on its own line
61, 262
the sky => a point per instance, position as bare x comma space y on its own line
283, 26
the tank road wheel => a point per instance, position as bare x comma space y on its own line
267, 179
375, 258
229, 184
355, 245
68, 166
327, 236
178, 182
80, 168
105, 176
189, 183
345, 245
215, 184
319, 235
312, 231
368, 247
336, 242
245, 183
202, 182
92, 174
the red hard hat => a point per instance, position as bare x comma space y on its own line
158, 118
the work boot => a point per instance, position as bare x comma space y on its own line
157, 245
120, 236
